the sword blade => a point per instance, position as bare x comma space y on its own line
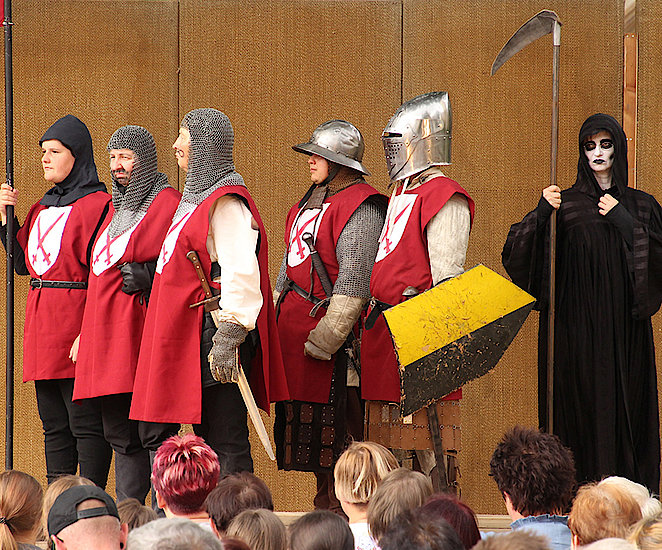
249, 401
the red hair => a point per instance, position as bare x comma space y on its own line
455, 512
185, 471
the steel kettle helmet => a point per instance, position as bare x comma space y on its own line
418, 135
337, 141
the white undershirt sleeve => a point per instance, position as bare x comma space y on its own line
232, 242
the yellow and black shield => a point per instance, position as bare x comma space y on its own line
454, 333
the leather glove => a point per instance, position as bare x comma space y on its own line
332, 329
223, 355
137, 277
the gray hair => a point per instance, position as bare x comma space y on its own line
172, 534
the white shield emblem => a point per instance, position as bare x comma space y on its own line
168, 246
107, 252
45, 237
394, 226
308, 221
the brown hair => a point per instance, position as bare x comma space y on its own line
535, 470
54, 490
321, 530
399, 491
360, 469
515, 540
20, 506
259, 529
135, 514
236, 493
602, 511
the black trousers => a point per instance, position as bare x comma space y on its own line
73, 433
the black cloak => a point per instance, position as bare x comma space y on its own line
83, 178
608, 285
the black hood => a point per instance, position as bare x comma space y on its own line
586, 181
83, 178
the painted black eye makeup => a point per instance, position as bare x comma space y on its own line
604, 144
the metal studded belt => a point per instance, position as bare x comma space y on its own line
40, 283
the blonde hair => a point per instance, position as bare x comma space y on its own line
360, 469
20, 506
602, 511
399, 491
54, 490
260, 529
647, 534
650, 506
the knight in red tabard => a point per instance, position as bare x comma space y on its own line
424, 239
341, 216
54, 247
187, 364
123, 263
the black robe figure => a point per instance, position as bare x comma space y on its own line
608, 285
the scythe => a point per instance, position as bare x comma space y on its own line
541, 24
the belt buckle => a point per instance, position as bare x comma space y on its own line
40, 283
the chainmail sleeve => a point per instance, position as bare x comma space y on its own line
357, 248
282, 275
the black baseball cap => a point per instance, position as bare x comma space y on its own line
63, 512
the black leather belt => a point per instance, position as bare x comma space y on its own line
40, 283
376, 308
291, 285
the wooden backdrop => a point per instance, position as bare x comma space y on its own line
278, 69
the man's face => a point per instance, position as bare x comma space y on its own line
319, 168
599, 150
122, 163
182, 147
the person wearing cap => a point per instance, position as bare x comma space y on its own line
319, 303
85, 517
425, 236
53, 247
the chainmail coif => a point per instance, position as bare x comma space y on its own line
145, 183
210, 164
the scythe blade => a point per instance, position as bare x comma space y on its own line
539, 25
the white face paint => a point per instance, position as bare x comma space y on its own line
599, 150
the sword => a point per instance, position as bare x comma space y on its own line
244, 387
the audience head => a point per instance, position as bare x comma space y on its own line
534, 472
55, 489
412, 531
611, 544
459, 516
600, 512
360, 469
236, 493
260, 529
20, 509
647, 534
172, 534
85, 517
650, 506
185, 471
233, 543
399, 491
135, 514
321, 530
515, 540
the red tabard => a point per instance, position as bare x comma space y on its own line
402, 261
167, 386
310, 379
55, 244
113, 321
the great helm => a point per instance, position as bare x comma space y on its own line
418, 135
337, 141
